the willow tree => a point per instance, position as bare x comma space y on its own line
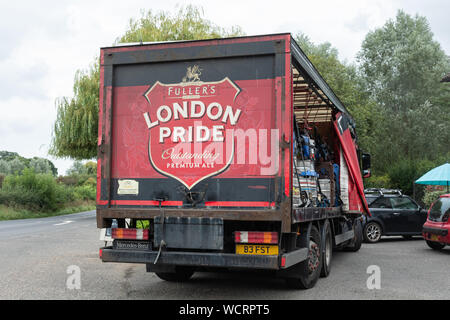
76, 126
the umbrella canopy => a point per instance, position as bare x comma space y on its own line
438, 176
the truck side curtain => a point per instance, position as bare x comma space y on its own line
356, 200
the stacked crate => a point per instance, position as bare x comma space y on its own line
308, 180
326, 181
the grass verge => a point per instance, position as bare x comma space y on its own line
9, 213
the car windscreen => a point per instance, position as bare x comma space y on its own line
440, 208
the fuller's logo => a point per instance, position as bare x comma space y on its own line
192, 74
191, 127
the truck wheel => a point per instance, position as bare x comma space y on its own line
309, 270
181, 274
372, 232
356, 243
327, 253
435, 245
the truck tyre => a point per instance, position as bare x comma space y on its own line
308, 270
372, 232
181, 274
435, 245
327, 252
357, 240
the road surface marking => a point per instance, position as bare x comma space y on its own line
65, 222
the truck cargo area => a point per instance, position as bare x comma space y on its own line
226, 153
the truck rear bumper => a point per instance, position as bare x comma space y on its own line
201, 259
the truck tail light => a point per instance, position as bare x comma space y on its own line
255, 237
129, 234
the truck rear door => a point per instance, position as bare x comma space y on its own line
195, 124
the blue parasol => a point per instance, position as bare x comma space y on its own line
439, 176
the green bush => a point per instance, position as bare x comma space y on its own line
81, 179
65, 193
19, 197
85, 192
38, 192
67, 180
378, 182
91, 181
403, 173
431, 196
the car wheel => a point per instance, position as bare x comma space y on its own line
372, 232
435, 245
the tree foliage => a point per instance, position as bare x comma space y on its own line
76, 126
78, 168
188, 23
401, 66
12, 162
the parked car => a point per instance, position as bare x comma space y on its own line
393, 214
436, 228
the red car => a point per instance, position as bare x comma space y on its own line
436, 230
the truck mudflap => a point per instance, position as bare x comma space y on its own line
205, 259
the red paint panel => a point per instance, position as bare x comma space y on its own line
357, 199
100, 113
130, 148
99, 178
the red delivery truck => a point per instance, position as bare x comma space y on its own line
226, 153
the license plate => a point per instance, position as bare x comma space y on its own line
131, 245
434, 237
257, 249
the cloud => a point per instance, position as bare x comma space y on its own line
22, 80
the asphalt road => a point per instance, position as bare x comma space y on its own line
36, 254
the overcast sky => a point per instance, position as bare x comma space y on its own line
43, 43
